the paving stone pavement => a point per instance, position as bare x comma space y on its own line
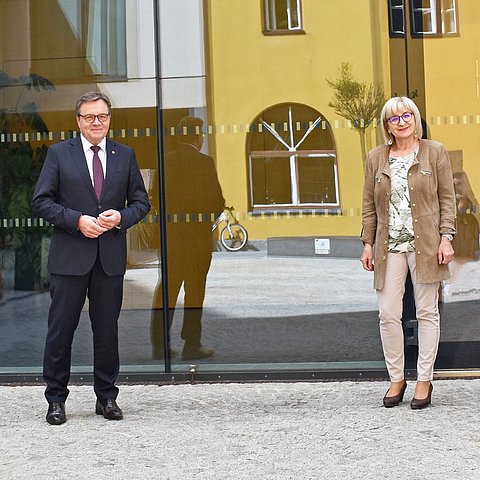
316, 430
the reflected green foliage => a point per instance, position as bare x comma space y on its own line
20, 165
359, 102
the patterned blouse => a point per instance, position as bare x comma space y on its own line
400, 228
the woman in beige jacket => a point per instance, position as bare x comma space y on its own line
409, 215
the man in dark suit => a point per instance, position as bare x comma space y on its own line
91, 190
193, 200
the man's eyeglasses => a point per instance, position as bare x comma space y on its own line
90, 118
395, 120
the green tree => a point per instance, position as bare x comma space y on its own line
359, 102
20, 165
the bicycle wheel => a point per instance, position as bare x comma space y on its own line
235, 240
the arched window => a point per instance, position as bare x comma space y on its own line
292, 160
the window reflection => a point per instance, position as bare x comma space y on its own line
466, 240
292, 159
396, 17
100, 28
193, 200
427, 17
278, 300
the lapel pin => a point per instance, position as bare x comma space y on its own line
113, 152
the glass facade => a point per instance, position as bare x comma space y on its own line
233, 103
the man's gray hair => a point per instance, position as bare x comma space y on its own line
92, 97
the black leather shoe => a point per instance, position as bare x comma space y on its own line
196, 353
110, 411
419, 403
389, 402
56, 413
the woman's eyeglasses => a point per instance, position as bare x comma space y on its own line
395, 120
90, 118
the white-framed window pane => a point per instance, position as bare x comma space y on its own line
106, 38
449, 16
424, 17
271, 181
396, 17
283, 15
317, 182
293, 14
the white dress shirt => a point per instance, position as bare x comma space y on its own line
89, 155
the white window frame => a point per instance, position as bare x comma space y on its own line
103, 34
437, 11
447, 10
401, 8
431, 12
293, 152
271, 17
106, 48
295, 158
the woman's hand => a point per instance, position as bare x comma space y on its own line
445, 251
367, 257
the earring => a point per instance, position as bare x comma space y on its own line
390, 142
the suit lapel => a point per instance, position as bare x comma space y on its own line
112, 163
80, 162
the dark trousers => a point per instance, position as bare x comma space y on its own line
189, 269
68, 294
191, 328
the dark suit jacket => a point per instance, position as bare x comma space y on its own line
64, 192
192, 188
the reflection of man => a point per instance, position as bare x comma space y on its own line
91, 190
193, 195
465, 242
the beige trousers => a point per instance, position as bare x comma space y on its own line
390, 305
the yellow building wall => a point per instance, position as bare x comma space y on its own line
250, 71
453, 89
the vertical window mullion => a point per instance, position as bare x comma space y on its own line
439, 17
104, 37
250, 170
294, 178
289, 15
442, 14
299, 14
435, 17
273, 15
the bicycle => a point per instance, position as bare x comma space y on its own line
233, 236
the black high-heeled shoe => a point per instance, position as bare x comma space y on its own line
419, 403
389, 402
